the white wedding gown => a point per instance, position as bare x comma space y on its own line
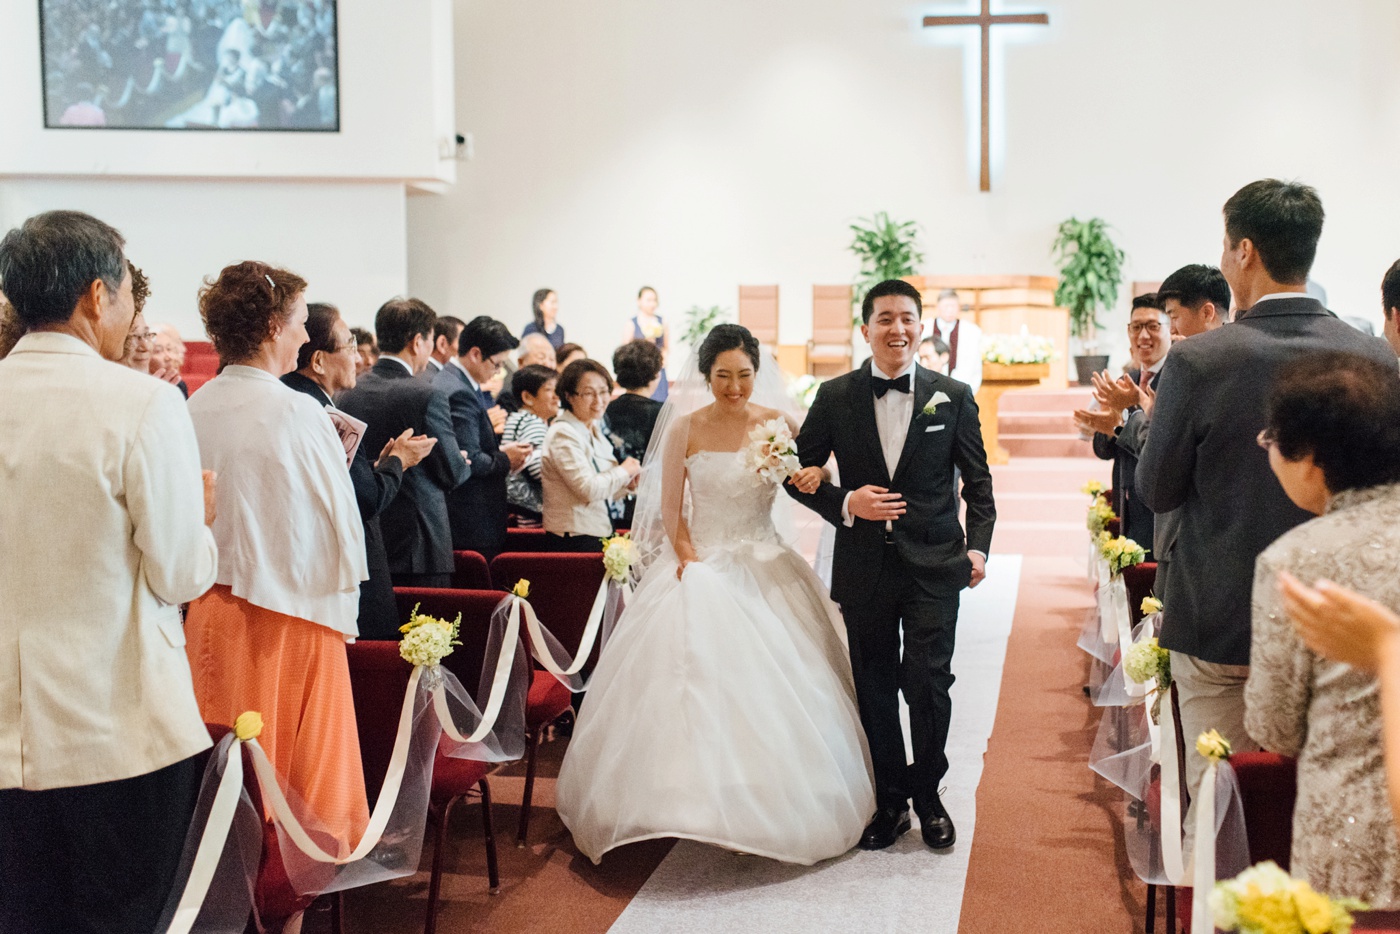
723, 709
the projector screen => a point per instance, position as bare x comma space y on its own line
190, 64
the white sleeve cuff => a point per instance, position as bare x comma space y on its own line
974, 551
846, 518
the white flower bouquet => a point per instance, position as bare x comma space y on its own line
619, 554
772, 452
1145, 661
1266, 900
427, 639
1011, 349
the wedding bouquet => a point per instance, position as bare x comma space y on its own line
1100, 514
1120, 553
772, 452
427, 639
619, 554
1147, 660
1266, 900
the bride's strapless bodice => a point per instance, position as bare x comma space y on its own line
729, 502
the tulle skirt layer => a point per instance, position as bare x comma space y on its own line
722, 711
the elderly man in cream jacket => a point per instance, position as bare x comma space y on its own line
103, 534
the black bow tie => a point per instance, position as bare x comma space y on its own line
883, 386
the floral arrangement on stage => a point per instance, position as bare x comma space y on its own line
619, 554
1145, 661
1100, 515
427, 639
772, 452
1266, 900
804, 390
1012, 349
1120, 552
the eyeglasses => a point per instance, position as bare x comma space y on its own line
592, 394
1151, 327
141, 337
1266, 439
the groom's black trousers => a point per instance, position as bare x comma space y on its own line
924, 674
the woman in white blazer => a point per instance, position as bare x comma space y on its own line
102, 536
579, 472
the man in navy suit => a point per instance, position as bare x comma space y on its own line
388, 399
478, 509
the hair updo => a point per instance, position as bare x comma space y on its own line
727, 337
244, 306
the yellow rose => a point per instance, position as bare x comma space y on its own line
1212, 745
248, 725
1151, 605
1314, 910
522, 588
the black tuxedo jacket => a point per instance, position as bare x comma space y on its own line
1139, 522
417, 535
478, 508
929, 537
1202, 460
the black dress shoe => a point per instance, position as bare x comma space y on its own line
885, 828
935, 825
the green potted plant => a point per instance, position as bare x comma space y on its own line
887, 249
700, 321
1091, 272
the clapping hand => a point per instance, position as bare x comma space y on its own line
498, 417
1337, 623
1121, 393
409, 448
1101, 422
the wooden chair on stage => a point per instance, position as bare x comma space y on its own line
829, 352
758, 311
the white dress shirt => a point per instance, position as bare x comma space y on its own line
894, 411
103, 537
289, 530
471, 379
969, 368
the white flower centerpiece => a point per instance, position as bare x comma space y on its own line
771, 452
1016, 349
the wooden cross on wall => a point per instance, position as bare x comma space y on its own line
987, 20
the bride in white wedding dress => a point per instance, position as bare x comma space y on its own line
722, 709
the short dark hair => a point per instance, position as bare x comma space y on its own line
400, 320
531, 379
1284, 222
1147, 300
725, 337
563, 351
320, 322
573, 375
1196, 284
636, 363
889, 287
449, 327
51, 260
1344, 410
490, 335
363, 337
1390, 288
241, 308
937, 343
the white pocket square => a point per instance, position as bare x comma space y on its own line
934, 428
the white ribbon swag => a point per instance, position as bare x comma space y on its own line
222, 857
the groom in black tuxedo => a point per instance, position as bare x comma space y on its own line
899, 431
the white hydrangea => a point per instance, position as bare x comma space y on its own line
427, 644
619, 554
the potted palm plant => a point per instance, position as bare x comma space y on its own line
1091, 272
887, 249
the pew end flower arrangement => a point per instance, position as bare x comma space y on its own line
619, 555
1147, 661
428, 640
1120, 553
1100, 515
1266, 900
1092, 488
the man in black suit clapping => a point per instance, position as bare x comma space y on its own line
417, 534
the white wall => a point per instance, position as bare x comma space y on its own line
330, 206
695, 147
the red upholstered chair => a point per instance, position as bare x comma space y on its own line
1268, 787
1139, 580
455, 779
470, 571
1114, 527
562, 589
518, 539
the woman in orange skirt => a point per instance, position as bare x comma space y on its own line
271, 634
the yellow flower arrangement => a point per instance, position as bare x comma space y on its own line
427, 639
1266, 900
1120, 552
1100, 515
619, 554
1092, 489
1212, 745
1151, 605
521, 589
248, 726
1145, 661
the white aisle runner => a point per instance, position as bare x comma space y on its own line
907, 888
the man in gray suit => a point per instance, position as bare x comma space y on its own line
1201, 457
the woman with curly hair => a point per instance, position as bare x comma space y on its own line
270, 636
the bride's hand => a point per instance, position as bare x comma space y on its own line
808, 479
684, 559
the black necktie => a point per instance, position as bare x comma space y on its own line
883, 386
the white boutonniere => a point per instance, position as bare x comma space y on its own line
938, 399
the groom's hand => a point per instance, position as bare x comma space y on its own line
876, 503
979, 568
